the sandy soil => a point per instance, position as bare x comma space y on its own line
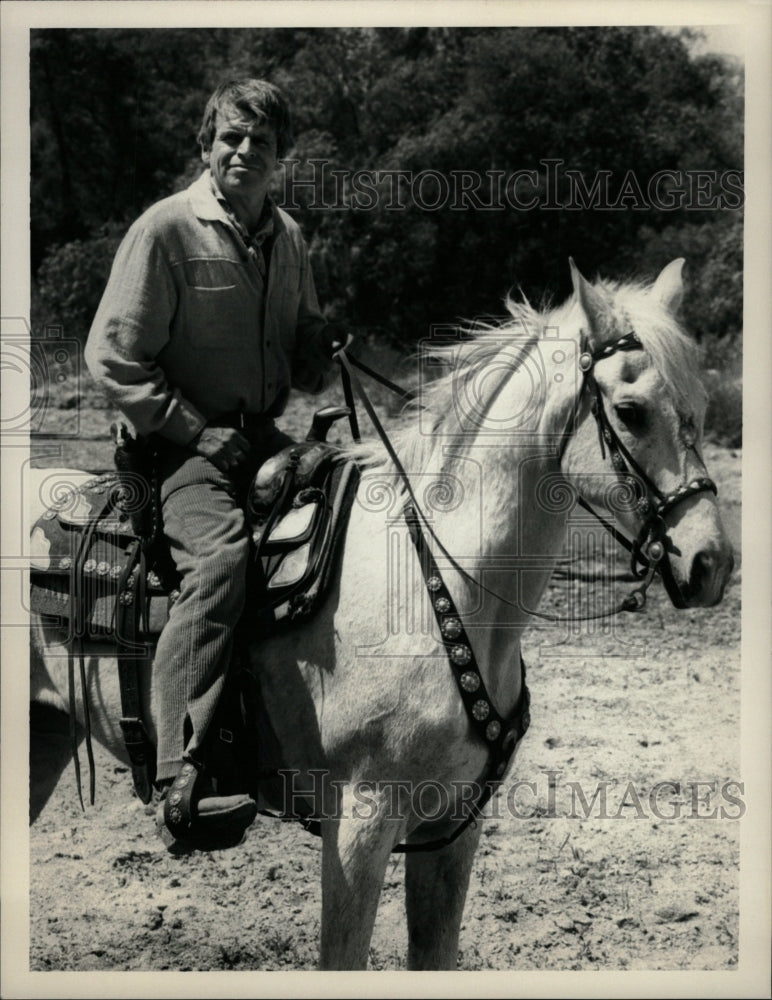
655, 701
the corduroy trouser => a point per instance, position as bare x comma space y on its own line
204, 523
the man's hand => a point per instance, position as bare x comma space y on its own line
223, 446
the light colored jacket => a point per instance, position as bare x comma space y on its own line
186, 332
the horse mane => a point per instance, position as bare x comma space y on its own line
432, 420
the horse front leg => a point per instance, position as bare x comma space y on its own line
355, 851
436, 884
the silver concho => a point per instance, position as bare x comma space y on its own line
451, 628
434, 583
470, 681
481, 710
492, 730
461, 655
442, 604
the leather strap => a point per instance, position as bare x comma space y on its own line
632, 602
132, 656
348, 395
79, 624
406, 394
500, 735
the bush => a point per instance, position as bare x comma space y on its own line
70, 283
724, 416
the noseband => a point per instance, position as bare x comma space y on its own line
650, 549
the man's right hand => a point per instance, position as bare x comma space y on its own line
223, 446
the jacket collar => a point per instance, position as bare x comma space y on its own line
206, 206
203, 202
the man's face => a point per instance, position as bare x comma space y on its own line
243, 156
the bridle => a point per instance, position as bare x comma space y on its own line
649, 551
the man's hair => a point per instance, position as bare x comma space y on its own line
255, 98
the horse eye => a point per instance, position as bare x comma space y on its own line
632, 415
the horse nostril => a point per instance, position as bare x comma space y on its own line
702, 569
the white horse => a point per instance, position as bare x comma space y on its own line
364, 694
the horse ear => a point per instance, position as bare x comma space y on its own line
669, 288
590, 301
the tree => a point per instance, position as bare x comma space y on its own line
594, 113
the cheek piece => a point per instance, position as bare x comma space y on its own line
649, 550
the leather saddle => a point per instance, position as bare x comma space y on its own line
297, 511
91, 566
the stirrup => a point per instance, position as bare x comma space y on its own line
180, 819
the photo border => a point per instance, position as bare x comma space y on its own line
751, 979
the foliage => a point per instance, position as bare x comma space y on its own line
712, 277
724, 416
114, 121
70, 283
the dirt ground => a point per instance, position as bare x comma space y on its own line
650, 882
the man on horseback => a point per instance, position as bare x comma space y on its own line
209, 317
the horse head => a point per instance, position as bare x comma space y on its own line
634, 450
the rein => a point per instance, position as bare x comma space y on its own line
649, 548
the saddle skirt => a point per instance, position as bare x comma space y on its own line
89, 567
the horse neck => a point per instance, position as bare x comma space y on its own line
505, 527
509, 519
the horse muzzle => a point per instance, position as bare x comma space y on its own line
707, 578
